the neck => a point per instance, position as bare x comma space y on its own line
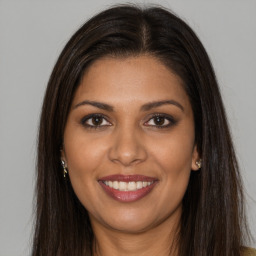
159, 240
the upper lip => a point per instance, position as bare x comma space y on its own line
127, 178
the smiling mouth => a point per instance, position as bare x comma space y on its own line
127, 188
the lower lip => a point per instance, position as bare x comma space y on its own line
127, 196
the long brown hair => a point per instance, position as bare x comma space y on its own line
212, 222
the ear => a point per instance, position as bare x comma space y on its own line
195, 158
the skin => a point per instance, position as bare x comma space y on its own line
129, 141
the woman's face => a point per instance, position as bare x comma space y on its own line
129, 144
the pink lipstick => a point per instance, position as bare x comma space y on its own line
127, 188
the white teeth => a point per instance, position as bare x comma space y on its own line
128, 186
115, 184
122, 186
131, 186
139, 184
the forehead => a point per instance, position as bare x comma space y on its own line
130, 79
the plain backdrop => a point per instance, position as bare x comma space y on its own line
32, 34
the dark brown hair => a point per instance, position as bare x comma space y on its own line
213, 220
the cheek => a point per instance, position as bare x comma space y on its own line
83, 159
175, 154
175, 163
82, 154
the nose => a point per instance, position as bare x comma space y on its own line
127, 147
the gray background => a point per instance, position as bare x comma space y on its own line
32, 34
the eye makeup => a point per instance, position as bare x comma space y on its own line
161, 120
95, 121
156, 120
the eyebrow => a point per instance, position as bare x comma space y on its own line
145, 107
154, 104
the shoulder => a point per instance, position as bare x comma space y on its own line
248, 252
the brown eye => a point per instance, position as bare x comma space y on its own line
161, 121
95, 121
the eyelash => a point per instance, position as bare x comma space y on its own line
169, 118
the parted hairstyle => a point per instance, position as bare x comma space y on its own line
213, 220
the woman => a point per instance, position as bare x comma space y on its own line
135, 155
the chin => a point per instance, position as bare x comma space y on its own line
131, 226
131, 221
